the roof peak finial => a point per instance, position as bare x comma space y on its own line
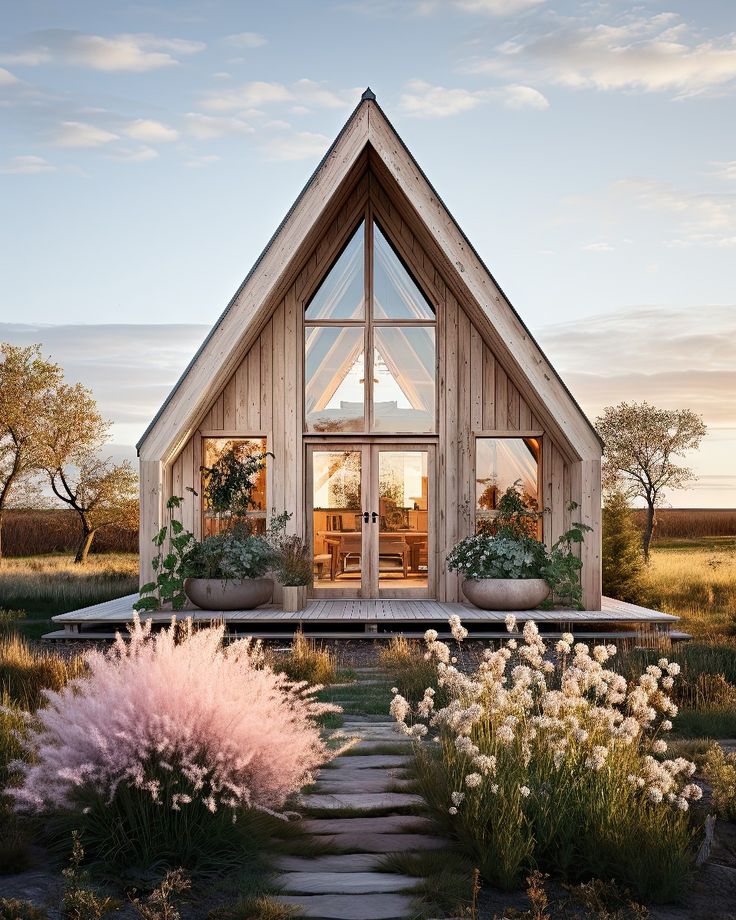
368, 95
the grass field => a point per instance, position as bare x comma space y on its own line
695, 578
47, 585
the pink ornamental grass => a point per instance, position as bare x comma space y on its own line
227, 730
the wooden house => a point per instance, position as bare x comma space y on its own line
374, 354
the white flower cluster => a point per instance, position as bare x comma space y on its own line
524, 705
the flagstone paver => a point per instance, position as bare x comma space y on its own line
350, 907
348, 884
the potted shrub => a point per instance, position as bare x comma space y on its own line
230, 570
505, 567
294, 571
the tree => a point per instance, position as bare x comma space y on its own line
641, 442
101, 492
27, 381
621, 552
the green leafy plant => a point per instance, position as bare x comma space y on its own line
173, 544
516, 515
231, 554
229, 483
504, 549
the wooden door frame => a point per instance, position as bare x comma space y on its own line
369, 448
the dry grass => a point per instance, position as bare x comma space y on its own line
692, 522
54, 584
25, 671
697, 581
30, 533
306, 660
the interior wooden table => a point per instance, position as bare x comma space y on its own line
335, 539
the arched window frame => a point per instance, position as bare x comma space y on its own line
369, 323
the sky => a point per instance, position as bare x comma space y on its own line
588, 149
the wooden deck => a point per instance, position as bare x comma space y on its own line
379, 618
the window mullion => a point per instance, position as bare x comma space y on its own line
368, 312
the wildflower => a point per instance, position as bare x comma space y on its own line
473, 780
505, 734
457, 797
659, 746
654, 794
666, 726
510, 622
431, 635
452, 810
673, 669
458, 631
525, 791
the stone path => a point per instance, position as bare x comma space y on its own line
373, 817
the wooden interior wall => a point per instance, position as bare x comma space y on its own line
476, 393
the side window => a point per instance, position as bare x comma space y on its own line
213, 450
504, 462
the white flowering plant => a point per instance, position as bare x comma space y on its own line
547, 757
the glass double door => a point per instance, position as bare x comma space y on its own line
370, 510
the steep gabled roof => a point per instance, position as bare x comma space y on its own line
367, 129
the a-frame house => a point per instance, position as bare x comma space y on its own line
372, 351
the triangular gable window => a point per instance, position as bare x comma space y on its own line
369, 369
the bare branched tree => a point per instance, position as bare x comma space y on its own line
642, 443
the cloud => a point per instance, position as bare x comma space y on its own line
725, 170
134, 155
133, 52
152, 132
423, 100
27, 165
301, 145
206, 159
81, 134
666, 355
658, 53
6, 77
497, 7
260, 94
246, 40
517, 96
207, 127
597, 247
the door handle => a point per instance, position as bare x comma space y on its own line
365, 517
375, 516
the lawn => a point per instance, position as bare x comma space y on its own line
696, 579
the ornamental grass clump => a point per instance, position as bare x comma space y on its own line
550, 759
172, 748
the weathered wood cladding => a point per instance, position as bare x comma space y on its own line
477, 393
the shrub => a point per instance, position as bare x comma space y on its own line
26, 671
621, 553
408, 669
169, 744
160, 904
556, 764
719, 770
308, 662
14, 909
230, 554
294, 564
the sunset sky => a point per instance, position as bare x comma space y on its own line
148, 151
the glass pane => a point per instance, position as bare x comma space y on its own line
395, 294
338, 549
404, 379
213, 450
403, 507
341, 295
334, 378
501, 462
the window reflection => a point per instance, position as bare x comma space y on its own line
504, 462
334, 374
342, 293
395, 293
404, 378
212, 452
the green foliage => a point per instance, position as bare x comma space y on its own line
229, 483
173, 544
516, 516
80, 902
234, 553
15, 909
510, 552
622, 557
409, 671
720, 772
161, 902
10, 620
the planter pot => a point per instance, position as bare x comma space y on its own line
294, 597
505, 593
216, 594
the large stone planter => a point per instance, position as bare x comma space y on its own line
294, 598
505, 593
217, 594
